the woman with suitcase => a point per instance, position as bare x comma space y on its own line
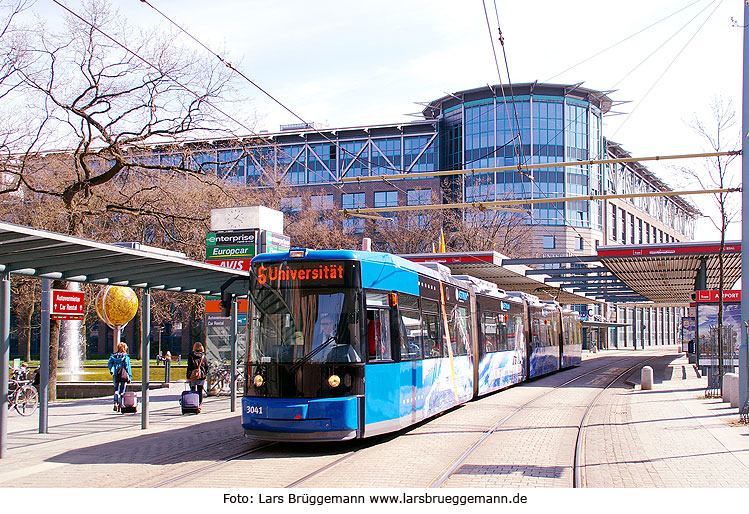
122, 373
197, 370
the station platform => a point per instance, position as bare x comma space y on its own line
672, 437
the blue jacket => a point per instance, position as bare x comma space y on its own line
117, 360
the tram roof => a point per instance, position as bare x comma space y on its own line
44, 254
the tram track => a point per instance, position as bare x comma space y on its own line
208, 467
217, 467
577, 468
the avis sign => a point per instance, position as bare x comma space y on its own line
67, 304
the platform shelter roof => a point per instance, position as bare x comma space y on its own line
492, 266
44, 254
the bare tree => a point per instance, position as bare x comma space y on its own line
108, 94
720, 133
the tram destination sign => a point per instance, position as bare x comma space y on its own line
67, 304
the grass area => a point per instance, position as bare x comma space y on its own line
96, 371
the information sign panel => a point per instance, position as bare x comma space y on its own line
67, 304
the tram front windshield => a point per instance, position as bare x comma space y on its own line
305, 312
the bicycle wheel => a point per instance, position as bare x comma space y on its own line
27, 400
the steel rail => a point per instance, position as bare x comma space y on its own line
579, 442
501, 422
213, 465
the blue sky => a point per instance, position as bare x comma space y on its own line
347, 63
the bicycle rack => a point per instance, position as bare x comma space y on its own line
713, 383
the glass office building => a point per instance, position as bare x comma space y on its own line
481, 129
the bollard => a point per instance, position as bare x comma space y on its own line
731, 389
167, 371
646, 378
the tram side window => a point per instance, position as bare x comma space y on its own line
554, 332
410, 325
516, 332
536, 333
489, 331
459, 331
502, 333
430, 328
545, 334
378, 335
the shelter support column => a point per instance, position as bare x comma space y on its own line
44, 357
145, 352
233, 388
743, 351
4, 359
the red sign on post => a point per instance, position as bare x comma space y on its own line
67, 304
729, 295
238, 264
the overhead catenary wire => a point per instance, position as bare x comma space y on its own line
186, 88
622, 41
655, 83
651, 54
527, 201
405, 176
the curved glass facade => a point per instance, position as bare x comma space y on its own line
496, 131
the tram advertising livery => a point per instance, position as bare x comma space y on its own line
350, 344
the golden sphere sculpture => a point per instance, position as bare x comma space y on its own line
116, 305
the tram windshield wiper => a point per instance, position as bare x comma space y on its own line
315, 351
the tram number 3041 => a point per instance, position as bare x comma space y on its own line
253, 409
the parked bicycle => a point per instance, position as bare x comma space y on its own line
219, 379
22, 395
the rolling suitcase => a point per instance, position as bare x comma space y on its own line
190, 402
129, 403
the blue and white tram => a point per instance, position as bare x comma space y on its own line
572, 342
349, 344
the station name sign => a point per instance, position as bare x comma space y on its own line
67, 304
731, 295
667, 250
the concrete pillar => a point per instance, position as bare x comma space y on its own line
646, 378
731, 389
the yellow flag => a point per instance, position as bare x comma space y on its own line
442, 242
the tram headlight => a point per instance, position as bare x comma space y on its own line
258, 381
334, 381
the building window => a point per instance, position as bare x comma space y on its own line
647, 233
639, 229
321, 202
549, 243
632, 229
624, 227
613, 222
579, 243
353, 201
419, 197
386, 198
293, 204
353, 225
